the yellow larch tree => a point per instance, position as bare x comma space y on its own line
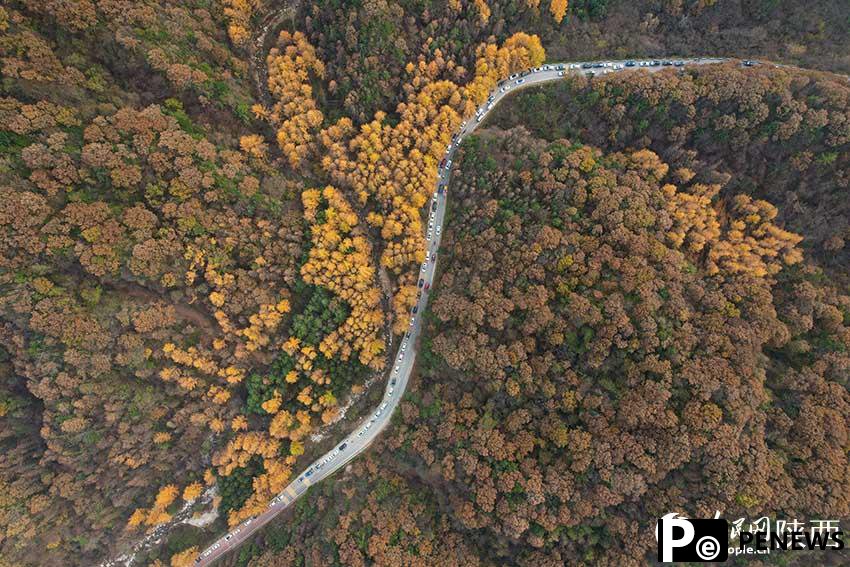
483, 10
192, 491
185, 558
558, 8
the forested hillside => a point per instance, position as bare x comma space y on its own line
212, 220
612, 337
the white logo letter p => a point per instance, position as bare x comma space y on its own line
667, 541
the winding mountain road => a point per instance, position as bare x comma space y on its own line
402, 366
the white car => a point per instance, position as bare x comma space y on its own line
573, 65
448, 165
412, 321
390, 391
438, 230
383, 406
396, 368
514, 76
520, 81
560, 73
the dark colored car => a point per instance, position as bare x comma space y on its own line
679, 63
586, 65
440, 189
630, 63
656, 63
343, 446
749, 63
421, 282
309, 473
415, 309
667, 63
392, 382
598, 65
434, 206
443, 163
560, 67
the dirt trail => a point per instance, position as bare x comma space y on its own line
184, 311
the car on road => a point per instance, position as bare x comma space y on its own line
441, 188
514, 76
343, 446
427, 286
397, 367
560, 73
586, 65
448, 165
655, 63
438, 231
679, 63
392, 382
666, 63
383, 406
309, 473
520, 81
390, 391
630, 63
561, 67
505, 89
361, 432
443, 163
415, 309
749, 63
412, 321
227, 537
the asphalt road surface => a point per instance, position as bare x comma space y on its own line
402, 365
